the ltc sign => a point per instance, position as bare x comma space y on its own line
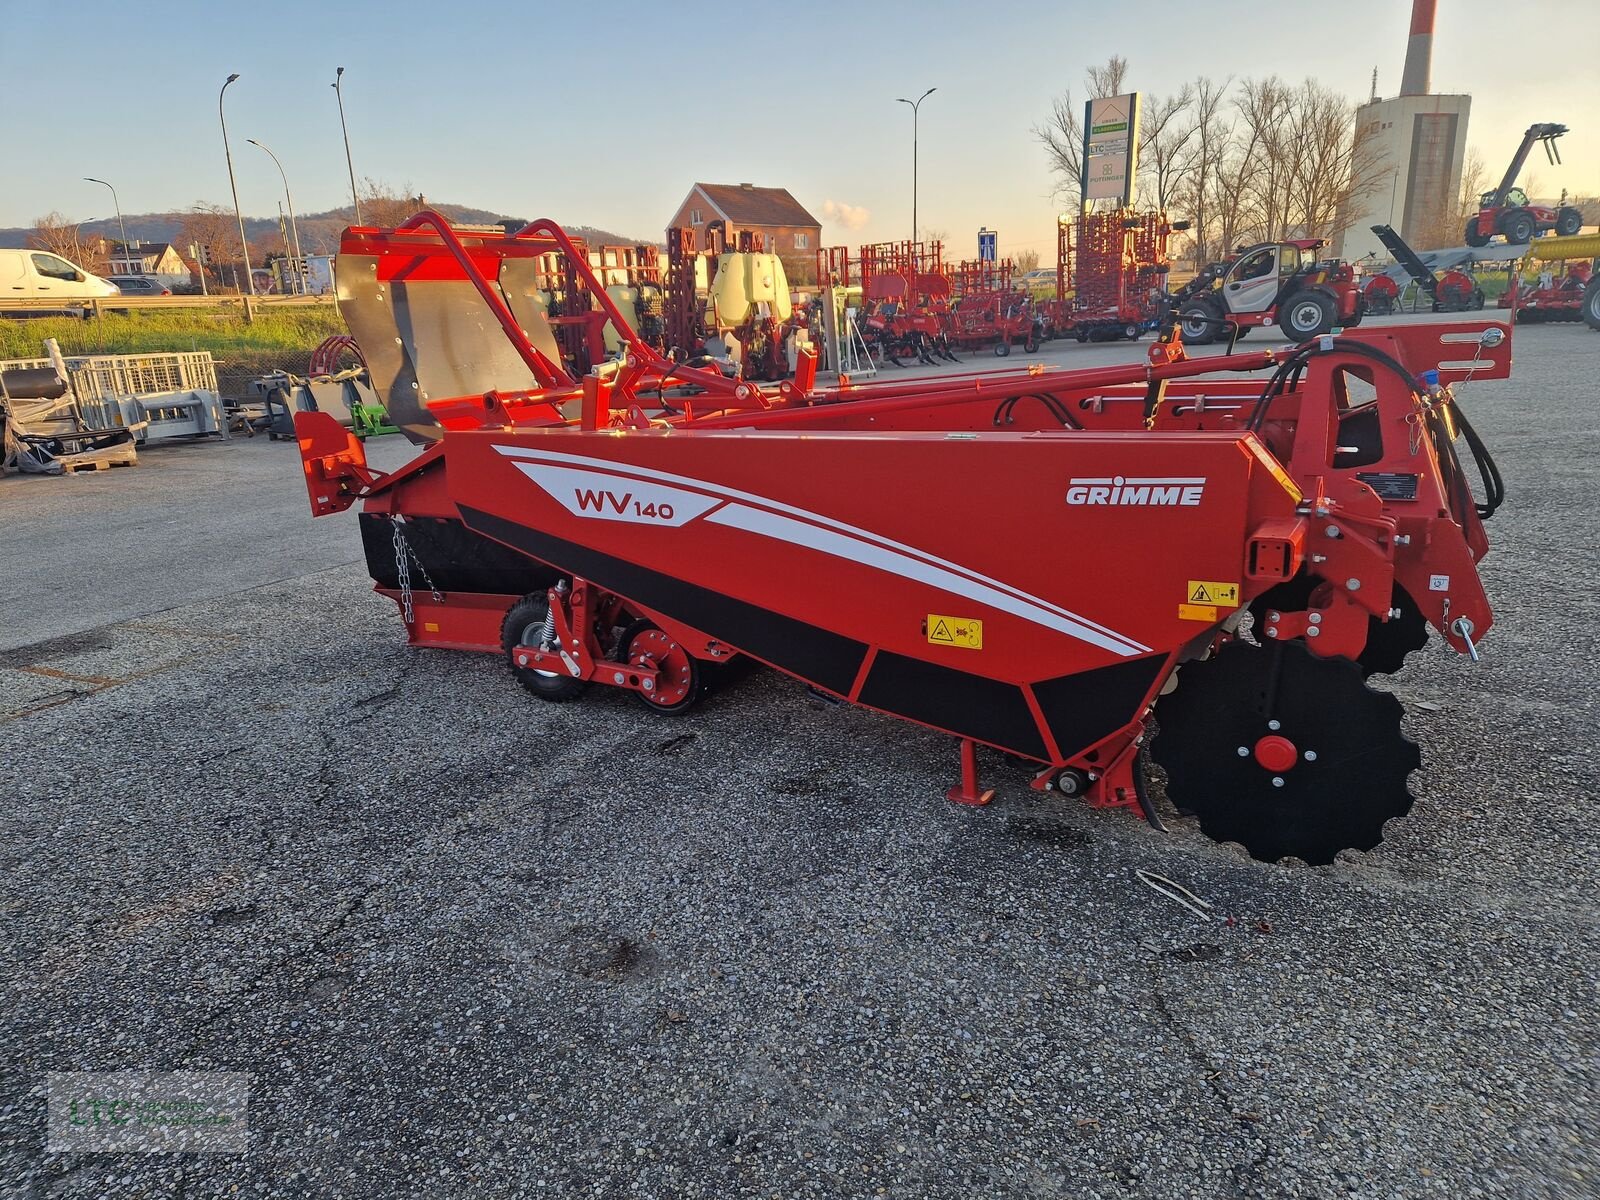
1110, 148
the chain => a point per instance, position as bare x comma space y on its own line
404, 555
402, 567
1477, 358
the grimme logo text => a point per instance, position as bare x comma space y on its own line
1119, 490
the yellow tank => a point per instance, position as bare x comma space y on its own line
626, 298
1584, 245
744, 281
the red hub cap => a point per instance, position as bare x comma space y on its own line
654, 648
1276, 754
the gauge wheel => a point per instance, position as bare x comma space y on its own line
678, 686
524, 626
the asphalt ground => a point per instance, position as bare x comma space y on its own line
468, 944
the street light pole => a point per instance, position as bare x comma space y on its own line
915, 105
244, 245
121, 228
294, 228
355, 196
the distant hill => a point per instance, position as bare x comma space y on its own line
319, 232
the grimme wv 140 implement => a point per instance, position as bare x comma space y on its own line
1038, 560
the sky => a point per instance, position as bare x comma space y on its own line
605, 114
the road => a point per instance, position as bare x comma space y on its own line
467, 944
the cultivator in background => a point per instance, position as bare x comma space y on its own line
1048, 562
1558, 281
906, 297
1111, 271
989, 310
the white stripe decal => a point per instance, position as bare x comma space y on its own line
825, 541
962, 581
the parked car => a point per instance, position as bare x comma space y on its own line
1040, 279
140, 285
40, 275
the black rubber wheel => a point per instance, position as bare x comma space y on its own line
1199, 322
1591, 303
1477, 298
1083, 334
680, 681
1472, 237
1001, 349
1568, 222
1308, 315
1518, 226
523, 624
1031, 346
1283, 752
1131, 331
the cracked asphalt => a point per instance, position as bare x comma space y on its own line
468, 944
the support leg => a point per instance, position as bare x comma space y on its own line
967, 791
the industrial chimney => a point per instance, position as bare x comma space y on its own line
1419, 50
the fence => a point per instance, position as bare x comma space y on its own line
106, 304
162, 395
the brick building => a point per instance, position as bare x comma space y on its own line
791, 232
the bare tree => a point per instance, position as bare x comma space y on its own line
385, 206
1061, 133
1213, 136
1166, 143
1474, 182
1106, 80
1265, 109
1330, 170
1025, 261
66, 238
212, 230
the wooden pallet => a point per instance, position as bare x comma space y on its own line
93, 461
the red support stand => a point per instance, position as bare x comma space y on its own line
967, 791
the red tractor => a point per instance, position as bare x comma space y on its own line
1274, 283
1506, 210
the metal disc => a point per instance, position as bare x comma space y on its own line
1225, 759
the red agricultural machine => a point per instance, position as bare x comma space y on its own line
906, 297
1449, 291
1111, 269
989, 310
1507, 211
1552, 296
1272, 283
1047, 562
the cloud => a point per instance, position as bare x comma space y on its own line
848, 215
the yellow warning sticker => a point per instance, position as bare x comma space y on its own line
1210, 591
962, 632
1197, 612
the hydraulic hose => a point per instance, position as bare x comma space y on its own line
1287, 377
1002, 413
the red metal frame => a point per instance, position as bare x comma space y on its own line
775, 522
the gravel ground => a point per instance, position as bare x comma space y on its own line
468, 944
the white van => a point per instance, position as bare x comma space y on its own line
40, 275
